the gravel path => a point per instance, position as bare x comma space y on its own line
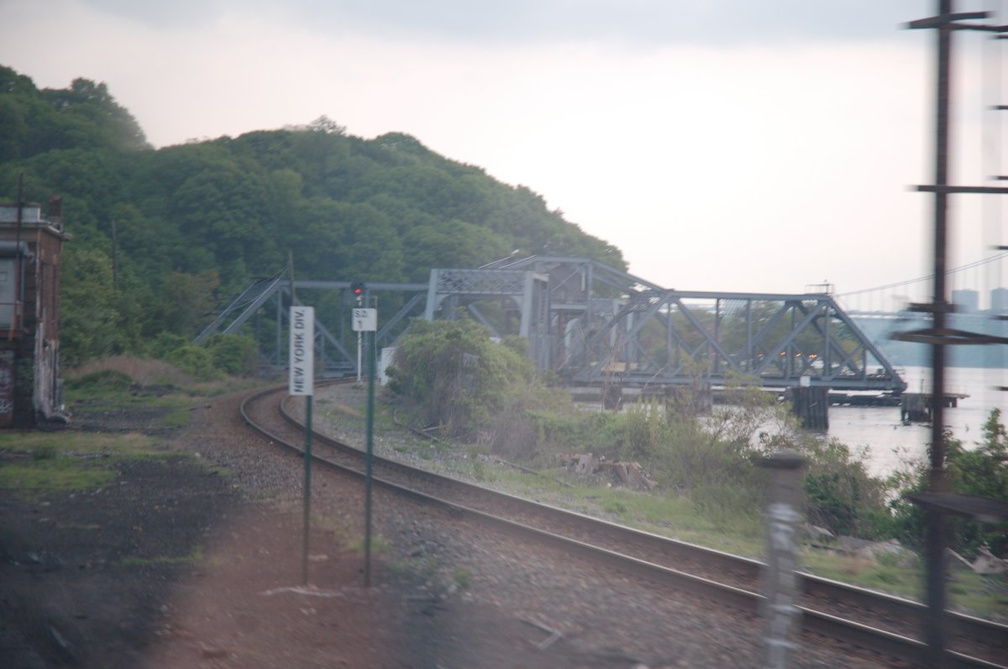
446, 594
605, 619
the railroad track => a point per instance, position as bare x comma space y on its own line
877, 622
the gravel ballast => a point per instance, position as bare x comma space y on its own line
445, 593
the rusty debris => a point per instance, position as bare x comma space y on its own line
627, 474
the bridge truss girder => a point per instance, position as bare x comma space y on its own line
608, 326
333, 352
515, 292
595, 325
776, 339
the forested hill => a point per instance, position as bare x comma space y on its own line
195, 222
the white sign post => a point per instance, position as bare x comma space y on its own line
362, 320
302, 382
366, 320
302, 350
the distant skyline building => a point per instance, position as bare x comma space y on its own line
967, 299
999, 300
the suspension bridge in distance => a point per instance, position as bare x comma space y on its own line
886, 313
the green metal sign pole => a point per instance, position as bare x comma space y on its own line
307, 489
302, 383
370, 456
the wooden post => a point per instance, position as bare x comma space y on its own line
780, 584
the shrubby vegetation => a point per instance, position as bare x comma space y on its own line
219, 356
451, 375
102, 380
981, 471
842, 496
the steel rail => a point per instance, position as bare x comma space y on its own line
813, 621
747, 569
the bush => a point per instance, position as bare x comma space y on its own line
228, 354
195, 360
571, 429
165, 344
142, 371
983, 472
645, 429
233, 354
452, 375
513, 434
841, 496
105, 379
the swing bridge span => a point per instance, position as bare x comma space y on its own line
591, 325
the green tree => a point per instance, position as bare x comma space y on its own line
980, 471
233, 354
13, 129
229, 212
840, 494
96, 117
387, 209
91, 325
184, 303
368, 247
451, 244
452, 375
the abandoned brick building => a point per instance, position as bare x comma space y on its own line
31, 245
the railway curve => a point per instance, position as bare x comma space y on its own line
865, 619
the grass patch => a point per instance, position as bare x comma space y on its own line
674, 516
378, 545
138, 371
462, 577
665, 514
979, 595
44, 452
53, 475
128, 381
176, 418
35, 463
78, 444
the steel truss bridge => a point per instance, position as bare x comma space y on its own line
594, 325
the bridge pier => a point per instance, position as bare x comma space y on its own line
811, 405
915, 408
612, 397
919, 407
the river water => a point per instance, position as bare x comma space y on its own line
891, 446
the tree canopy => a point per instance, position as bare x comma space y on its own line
212, 215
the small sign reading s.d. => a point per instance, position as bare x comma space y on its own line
364, 320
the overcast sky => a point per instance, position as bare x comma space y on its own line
724, 145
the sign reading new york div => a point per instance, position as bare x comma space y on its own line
302, 350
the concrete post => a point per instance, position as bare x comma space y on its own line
780, 584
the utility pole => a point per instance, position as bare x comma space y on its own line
938, 501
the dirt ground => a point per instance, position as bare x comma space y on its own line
176, 564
